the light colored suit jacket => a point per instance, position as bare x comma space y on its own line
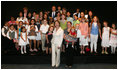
58, 37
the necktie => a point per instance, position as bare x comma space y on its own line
53, 14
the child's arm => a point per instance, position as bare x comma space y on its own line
8, 35
113, 32
100, 33
26, 37
3, 32
17, 32
47, 38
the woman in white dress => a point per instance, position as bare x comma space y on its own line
105, 37
113, 39
23, 41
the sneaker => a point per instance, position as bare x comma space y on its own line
22, 53
80, 52
69, 66
35, 50
25, 52
83, 52
106, 52
102, 52
31, 50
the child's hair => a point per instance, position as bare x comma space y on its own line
64, 15
72, 28
31, 21
69, 22
98, 23
11, 25
23, 28
6, 22
50, 27
114, 24
105, 22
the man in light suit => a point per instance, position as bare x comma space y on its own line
56, 44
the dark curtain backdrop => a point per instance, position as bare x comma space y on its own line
105, 10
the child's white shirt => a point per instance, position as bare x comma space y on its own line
3, 31
78, 33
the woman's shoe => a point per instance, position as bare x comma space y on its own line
70, 66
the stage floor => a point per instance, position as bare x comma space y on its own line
62, 66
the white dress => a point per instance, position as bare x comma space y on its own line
113, 39
21, 41
32, 37
38, 37
105, 37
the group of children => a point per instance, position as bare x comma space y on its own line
37, 28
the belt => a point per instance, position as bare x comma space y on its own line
44, 33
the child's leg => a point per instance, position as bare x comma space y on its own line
63, 48
73, 44
50, 49
111, 49
91, 44
38, 43
114, 50
102, 50
67, 44
95, 43
30, 44
25, 49
105, 49
46, 50
95, 46
83, 49
21, 49
34, 44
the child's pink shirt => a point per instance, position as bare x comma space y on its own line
84, 28
12, 22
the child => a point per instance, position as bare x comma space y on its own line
23, 41
12, 35
19, 29
113, 38
94, 31
84, 33
5, 29
48, 39
43, 29
105, 37
78, 36
38, 37
12, 21
71, 37
32, 29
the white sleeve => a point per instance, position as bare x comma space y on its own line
15, 34
28, 29
3, 32
61, 38
36, 29
8, 34
41, 28
17, 19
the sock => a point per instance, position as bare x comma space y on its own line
67, 46
25, 48
72, 46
